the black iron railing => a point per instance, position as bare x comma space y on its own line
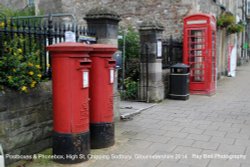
39, 32
172, 52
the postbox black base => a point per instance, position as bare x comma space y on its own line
71, 148
178, 97
102, 135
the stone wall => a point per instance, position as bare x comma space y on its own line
133, 12
19, 4
48, 6
26, 121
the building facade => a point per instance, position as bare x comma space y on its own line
169, 12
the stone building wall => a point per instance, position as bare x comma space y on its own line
169, 12
19, 4
48, 6
133, 12
26, 121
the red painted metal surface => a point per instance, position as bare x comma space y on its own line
70, 69
101, 83
199, 52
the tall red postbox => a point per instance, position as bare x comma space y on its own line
70, 76
199, 49
101, 96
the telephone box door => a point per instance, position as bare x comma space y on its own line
197, 57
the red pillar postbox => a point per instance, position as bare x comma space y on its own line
70, 76
101, 96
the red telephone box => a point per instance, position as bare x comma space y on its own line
199, 44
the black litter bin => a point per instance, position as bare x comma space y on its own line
179, 82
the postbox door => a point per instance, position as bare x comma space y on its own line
80, 95
197, 57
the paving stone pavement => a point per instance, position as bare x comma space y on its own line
200, 132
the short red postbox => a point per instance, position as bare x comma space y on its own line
101, 96
70, 76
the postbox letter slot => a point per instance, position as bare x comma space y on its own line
111, 62
82, 63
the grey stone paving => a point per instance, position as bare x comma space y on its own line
130, 108
217, 126
185, 133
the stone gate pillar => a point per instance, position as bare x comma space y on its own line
151, 87
105, 22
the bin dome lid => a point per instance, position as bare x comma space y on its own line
179, 65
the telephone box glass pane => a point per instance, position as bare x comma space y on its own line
196, 43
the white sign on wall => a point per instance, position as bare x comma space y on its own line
70, 36
159, 48
1, 156
232, 64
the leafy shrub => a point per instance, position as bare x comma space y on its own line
132, 63
235, 28
225, 20
19, 71
131, 89
132, 46
228, 21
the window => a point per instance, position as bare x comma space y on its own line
30, 2
248, 8
222, 2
